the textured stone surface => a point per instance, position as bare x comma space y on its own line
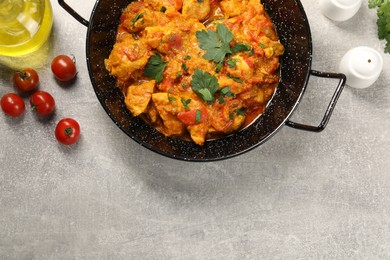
299, 196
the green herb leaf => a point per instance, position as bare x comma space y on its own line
184, 67
232, 63
185, 103
188, 57
240, 47
169, 95
226, 92
204, 85
383, 21
137, 17
241, 111
155, 67
262, 45
218, 68
238, 80
216, 44
163, 9
221, 100
252, 51
198, 116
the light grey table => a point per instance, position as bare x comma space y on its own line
299, 196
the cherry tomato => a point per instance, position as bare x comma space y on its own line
26, 80
67, 131
193, 117
63, 68
42, 103
12, 104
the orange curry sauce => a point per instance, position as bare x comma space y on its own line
164, 62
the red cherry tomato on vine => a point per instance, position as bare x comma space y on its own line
63, 68
12, 104
67, 131
26, 79
42, 103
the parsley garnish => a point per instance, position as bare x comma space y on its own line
252, 52
383, 21
155, 67
231, 63
238, 80
241, 111
262, 45
185, 103
218, 68
184, 67
240, 47
163, 9
198, 116
216, 44
226, 92
169, 95
137, 17
204, 85
188, 57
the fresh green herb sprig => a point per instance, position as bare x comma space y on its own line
204, 85
217, 43
155, 67
383, 22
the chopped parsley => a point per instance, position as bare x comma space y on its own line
226, 92
155, 67
204, 85
241, 111
240, 47
184, 67
185, 103
137, 17
198, 116
232, 63
262, 45
169, 95
188, 57
238, 80
163, 9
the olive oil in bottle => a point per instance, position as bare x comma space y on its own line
24, 25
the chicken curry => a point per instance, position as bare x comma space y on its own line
196, 69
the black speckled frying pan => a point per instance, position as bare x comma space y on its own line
294, 32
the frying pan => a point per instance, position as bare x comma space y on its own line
293, 30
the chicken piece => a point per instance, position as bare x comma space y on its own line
233, 7
271, 48
168, 7
137, 17
168, 106
235, 87
198, 132
127, 57
164, 38
196, 9
138, 97
238, 67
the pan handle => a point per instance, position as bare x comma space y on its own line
342, 79
73, 13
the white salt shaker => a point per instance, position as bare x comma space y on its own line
362, 66
340, 10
